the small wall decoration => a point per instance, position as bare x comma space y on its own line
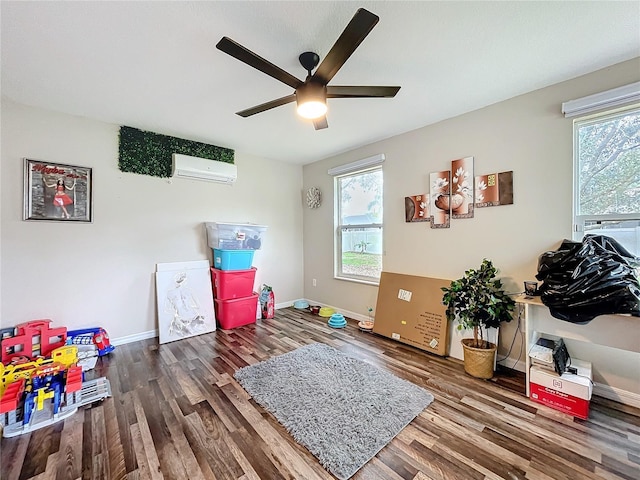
416, 208
462, 188
494, 189
313, 197
56, 191
185, 300
440, 199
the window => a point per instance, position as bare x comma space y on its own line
359, 225
607, 177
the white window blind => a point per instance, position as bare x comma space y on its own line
362, 164
616, 97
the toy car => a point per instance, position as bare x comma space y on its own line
98, 336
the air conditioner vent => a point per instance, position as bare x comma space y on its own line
185, 166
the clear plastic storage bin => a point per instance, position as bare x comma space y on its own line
235, 236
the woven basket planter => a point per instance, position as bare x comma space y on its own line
478, 362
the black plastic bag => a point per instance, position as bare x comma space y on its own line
582, 280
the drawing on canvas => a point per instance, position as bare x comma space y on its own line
185, 300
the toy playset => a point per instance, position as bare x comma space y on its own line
41, 374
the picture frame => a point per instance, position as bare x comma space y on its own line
57, 192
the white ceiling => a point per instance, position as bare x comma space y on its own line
154, 65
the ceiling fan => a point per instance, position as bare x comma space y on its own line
312, 93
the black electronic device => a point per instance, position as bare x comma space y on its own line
559, 353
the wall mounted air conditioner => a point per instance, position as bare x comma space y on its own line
198, 168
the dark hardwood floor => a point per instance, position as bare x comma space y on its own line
176, 413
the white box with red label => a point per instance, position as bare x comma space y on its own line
569, 393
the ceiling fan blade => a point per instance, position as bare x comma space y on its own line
361, 91
355, 32
267, 106
247, 56
320, 123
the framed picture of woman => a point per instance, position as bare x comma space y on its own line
55, 191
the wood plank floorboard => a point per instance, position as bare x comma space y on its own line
177, 413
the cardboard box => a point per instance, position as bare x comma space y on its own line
568, 393
409, 309
578, 407
579, 385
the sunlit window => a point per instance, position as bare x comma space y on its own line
607, 177
359, 225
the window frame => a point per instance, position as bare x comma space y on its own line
579, 220
340, 229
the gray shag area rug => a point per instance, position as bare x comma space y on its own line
342, 410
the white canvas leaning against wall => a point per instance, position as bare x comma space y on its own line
184, 300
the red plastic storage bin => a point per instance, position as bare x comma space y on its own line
230, 284
236, 312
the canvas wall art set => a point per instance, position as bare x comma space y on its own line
455, 193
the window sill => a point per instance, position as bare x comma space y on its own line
372, 282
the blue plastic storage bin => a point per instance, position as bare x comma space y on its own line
232, 259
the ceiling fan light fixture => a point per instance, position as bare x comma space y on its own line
311, 95
311, 110
312, 100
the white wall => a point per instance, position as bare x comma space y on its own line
102, 273
526, 134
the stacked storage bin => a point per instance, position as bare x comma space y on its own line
233, 275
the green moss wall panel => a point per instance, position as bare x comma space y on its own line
149, 153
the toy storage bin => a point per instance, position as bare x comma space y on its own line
231, 236
232, 259
236, 312
229, 284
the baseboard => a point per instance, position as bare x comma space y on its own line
134, 338
617, 395
510, 362
154, 333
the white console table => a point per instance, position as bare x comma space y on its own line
616, 331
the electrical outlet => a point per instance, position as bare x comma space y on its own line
314, 282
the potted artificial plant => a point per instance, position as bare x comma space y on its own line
477, 301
